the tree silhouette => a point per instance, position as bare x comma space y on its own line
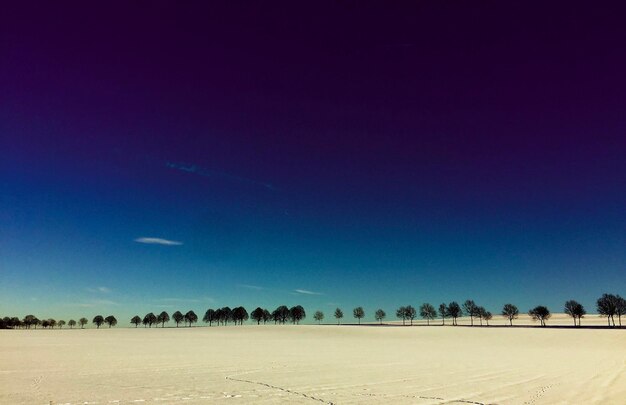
318, 316
45, 323
98, 320
178, 317
411, 313
150, 319
209, 316
30, 320
540, 313
338, 315
620, 309
358, 313
296, 314
470, 308
480, 314
239, 314
380, 315
266, 316
162, 318
607, 306
110, 320
191, 317
443, 312
82, 322
401, 313
575, 310
71, 323
428, 312
52, 323
61, 323
454, 311
257, 315
135, 320
224, 315
486, 315
510, 311
281, 314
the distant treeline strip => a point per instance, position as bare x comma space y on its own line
608, 305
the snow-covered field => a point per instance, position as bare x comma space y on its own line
307, 364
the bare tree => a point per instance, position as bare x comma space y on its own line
607, 306
428, 312
575, 310
454, 311
318, 316
178, 317
98, 320
257, 315
540, 313
162, 318
150, 319
358, 313
239, 315
135, 320
380, 315
281, 314
443, 312
487, 316
401, 313
296, 314
480, 313
191, 317
620, 309
470, 308
338, 315
511, 312
110, 320
267, 316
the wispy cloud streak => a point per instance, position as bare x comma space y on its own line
307, 292
250, 287
104, 290
202, 171
158, 241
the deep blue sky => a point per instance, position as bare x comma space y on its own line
372, 155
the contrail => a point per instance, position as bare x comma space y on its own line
202, 171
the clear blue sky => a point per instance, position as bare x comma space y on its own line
332, 157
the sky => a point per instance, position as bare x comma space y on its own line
174, 156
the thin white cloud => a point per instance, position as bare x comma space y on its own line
203, 171
102, 289
158, 241
307, 292
250, 287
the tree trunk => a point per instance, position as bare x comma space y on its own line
471, 320
511, 321
574, 321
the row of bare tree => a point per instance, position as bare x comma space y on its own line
609, 305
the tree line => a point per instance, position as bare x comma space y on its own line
610, 306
